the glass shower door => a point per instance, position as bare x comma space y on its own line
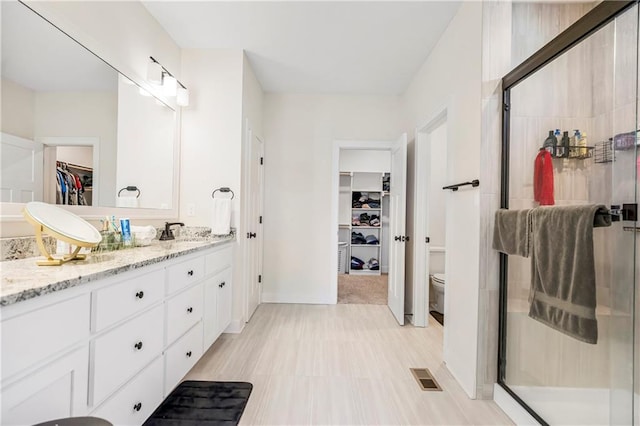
591, 93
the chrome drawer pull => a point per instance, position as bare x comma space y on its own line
222, 284
138, 345
140, 294
190, 273
138, 406
189, 354
189, 309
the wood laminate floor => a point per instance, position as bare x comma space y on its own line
340, 365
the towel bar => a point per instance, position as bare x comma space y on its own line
474, 183
223, 189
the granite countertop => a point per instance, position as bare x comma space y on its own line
23, 279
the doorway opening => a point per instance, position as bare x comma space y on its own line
368, 204
426, 291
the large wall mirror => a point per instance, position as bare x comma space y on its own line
74, 130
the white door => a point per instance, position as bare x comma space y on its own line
255, 240
397, 225
22, 162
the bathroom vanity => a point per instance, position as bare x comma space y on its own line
111, 336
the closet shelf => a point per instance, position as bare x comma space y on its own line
360, 208
364, 227
78, 167
365, 245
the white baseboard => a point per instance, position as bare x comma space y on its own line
235, 327
510, 406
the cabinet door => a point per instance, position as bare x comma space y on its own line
132, 404
183, 311
181, 356
210, 310
224, 302
57, 390
120, 353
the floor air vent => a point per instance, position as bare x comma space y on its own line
425, 379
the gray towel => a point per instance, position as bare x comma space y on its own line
511, 232
563, 284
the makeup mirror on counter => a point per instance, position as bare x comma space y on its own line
75, 131
62, 225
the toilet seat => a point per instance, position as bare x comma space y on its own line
438, 278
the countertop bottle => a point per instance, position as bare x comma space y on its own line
559, 147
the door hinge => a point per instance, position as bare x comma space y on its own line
427, 240
260, 221
259, 278
261, 161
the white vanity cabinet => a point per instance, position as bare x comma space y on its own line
113, 348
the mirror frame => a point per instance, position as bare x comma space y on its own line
11, 213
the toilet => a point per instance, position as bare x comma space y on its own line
437, 301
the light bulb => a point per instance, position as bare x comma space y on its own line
154, 72
169, 85
182, 98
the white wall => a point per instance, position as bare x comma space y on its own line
78, 155
18, 104
211, 149
145, 159
300, 130
354, 160
450, 79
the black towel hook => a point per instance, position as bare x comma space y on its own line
130, 188
223, 189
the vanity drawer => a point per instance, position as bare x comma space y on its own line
185, 273
218, 260
183, 311
121, 300
37, 335
123, 351
135, 402
180, 357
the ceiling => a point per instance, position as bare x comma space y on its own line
355, 47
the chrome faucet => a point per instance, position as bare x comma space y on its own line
167, 233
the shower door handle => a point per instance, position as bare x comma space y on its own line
427, 240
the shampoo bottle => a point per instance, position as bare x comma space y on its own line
582, 143
565, 144
551, 143
559, 147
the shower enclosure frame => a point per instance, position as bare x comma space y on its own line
595, 19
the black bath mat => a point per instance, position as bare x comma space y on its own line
437, 316
202, 403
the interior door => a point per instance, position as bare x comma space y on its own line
397, 227
255, 240
22, 161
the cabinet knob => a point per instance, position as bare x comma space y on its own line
140, 294
221, 284
137, 407
189, 354
138, 345
189, 309
190, 273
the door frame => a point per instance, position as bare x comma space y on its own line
422, 177
245, 248
51, 141
339, 144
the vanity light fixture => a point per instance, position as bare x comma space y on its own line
182, 98
170, 85
154, 72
